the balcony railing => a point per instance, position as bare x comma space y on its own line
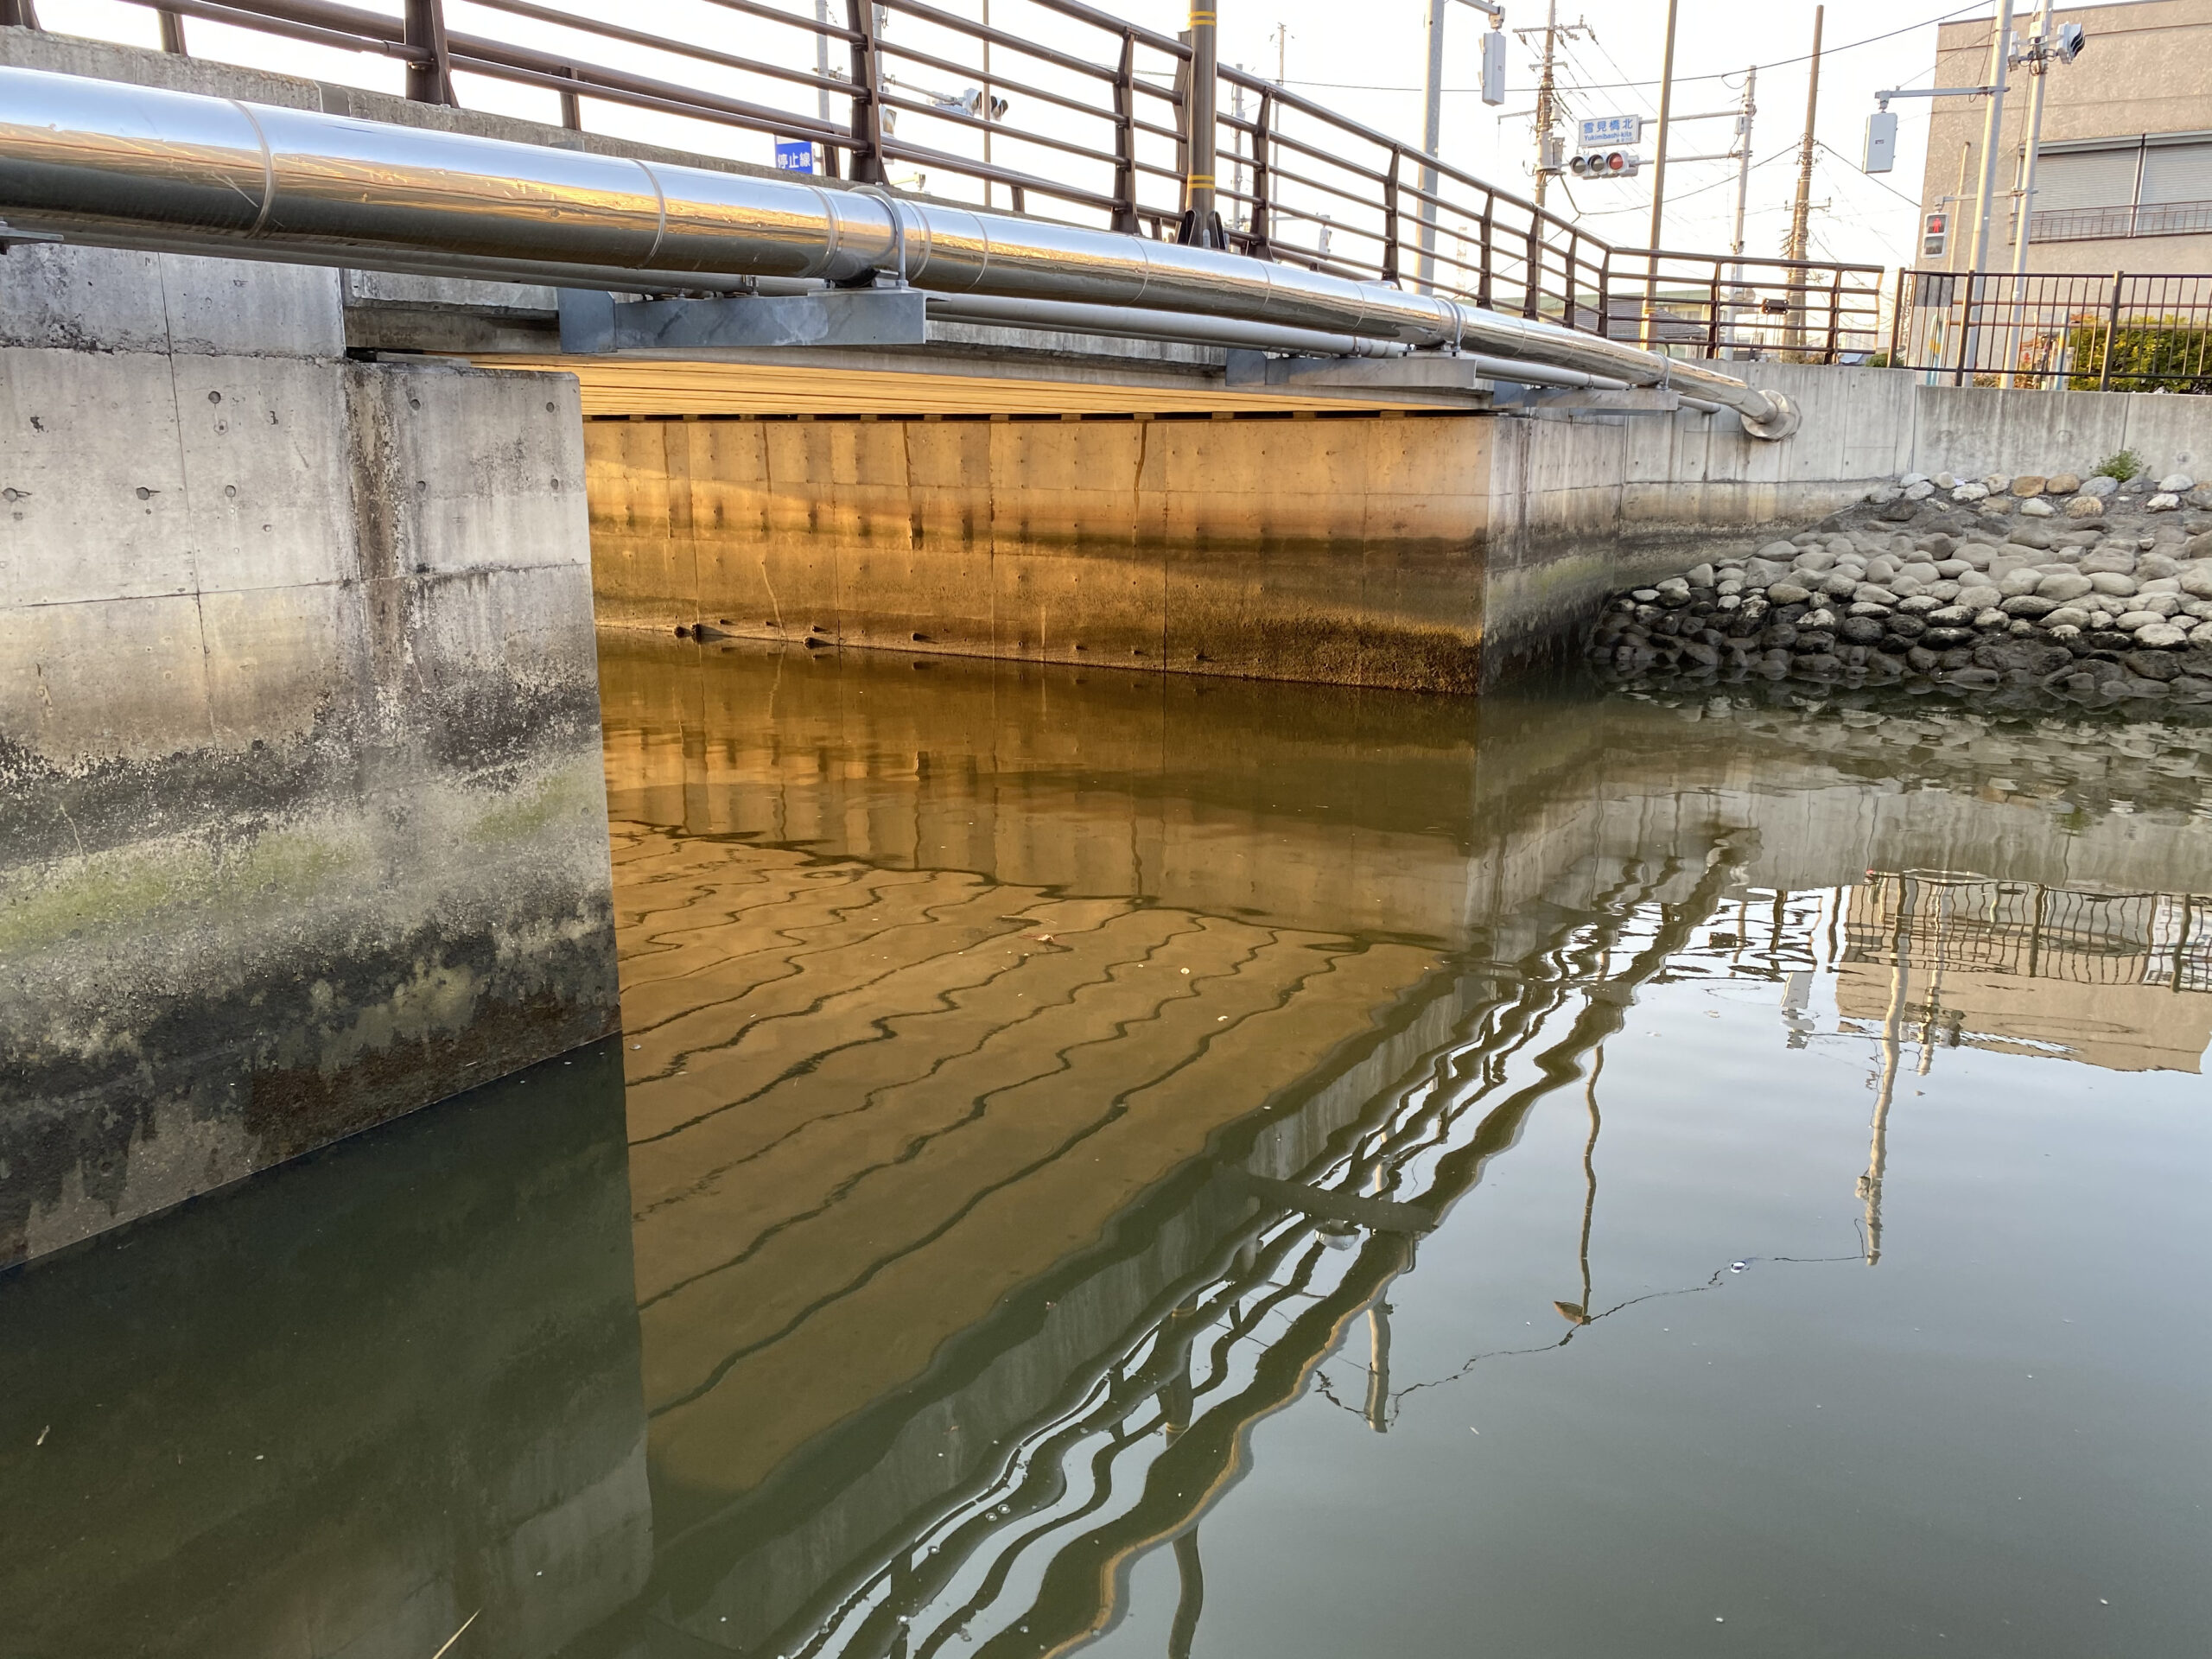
2098, 224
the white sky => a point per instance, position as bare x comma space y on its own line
1367, 61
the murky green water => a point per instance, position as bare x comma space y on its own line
1186, 1168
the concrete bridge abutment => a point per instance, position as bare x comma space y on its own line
301, 819
1412, 548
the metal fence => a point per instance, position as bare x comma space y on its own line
1087, 130
2117, 332
1937, 920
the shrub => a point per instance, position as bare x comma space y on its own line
2123, 465
2160, 354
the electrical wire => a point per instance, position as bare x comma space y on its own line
1680, 80
1672, 201
1823, 143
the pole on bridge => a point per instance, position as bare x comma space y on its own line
1201, 223
1659, 181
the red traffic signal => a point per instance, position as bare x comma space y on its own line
1606, 164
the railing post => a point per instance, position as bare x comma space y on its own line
173, 33
868, 93
1897, 318
1260, 176
1125, 135
1482, 277
18, 13
1532, 271
1835, 317
429, 74
2112, 332
1390, 217
1606, 296
1713, 316
1966, 328
572, 108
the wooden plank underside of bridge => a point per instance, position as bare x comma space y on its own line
660, 386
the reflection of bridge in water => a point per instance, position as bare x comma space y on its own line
998, 1171
964, 1241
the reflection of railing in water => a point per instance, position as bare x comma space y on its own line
2033, 931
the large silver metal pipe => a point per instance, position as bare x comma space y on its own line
136, 165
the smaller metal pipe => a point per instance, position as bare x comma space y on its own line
1540, 374
1135, 322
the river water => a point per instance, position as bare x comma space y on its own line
1165, 1167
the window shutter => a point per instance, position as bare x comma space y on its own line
2177, 173
2085, 178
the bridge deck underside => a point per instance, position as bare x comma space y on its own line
634, 384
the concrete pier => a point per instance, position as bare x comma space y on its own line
302, 823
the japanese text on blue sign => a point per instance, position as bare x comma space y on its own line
1603, 130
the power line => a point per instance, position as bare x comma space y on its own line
1728, 182
1869, 177
1680, 80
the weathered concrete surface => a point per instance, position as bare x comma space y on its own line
302, 824
1423, 552
1323, 550
341, 1409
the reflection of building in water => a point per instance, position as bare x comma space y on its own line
2023, 967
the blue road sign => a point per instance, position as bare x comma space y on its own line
1606, 132
794, 155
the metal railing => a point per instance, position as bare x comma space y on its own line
1091, 131
2029, 929
2117, 332
2138, 218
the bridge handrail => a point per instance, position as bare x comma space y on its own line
1297, 182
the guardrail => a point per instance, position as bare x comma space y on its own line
2116, 332
1088, 131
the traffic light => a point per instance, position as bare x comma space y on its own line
1606, 164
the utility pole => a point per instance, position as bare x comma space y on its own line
1547, 102
1743, 188
1431, 124
2039, 75
1659, 181
1743, 162
1666, 111
1992, 131
1801, 213
1550, 149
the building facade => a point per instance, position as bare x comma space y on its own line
2124, 181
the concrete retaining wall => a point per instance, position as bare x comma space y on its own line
302, 822
1423, 552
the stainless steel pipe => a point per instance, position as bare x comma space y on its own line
1140, 322
129, 166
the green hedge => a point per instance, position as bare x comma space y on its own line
2175, 353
